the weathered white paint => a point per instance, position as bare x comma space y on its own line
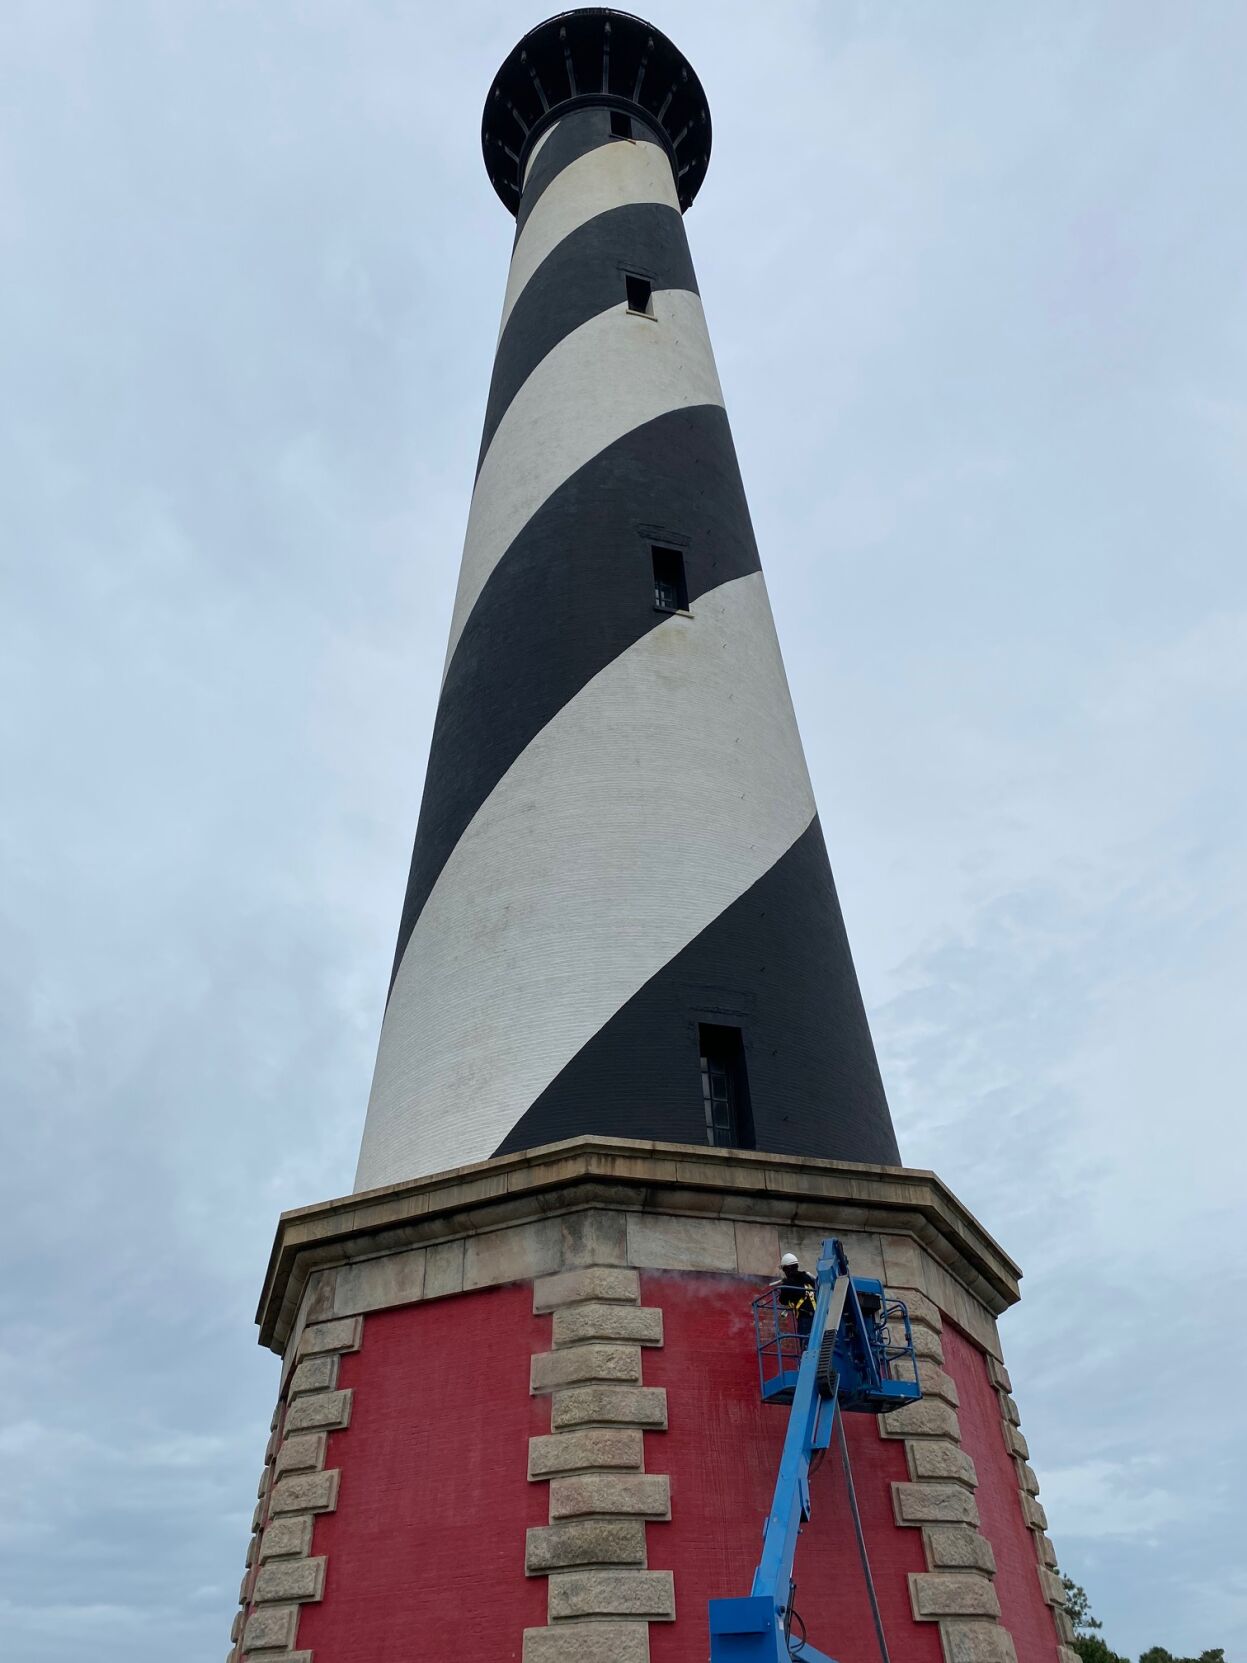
612, 374
608, 177
536, 150
658, 795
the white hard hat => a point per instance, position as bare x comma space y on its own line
789, 1259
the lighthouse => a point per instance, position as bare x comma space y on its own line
624, 1063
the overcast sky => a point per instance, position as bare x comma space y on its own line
975, 276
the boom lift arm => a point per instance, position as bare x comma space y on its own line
859, 1356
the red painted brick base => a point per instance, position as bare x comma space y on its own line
425, 1553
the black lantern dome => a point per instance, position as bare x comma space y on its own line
594, 56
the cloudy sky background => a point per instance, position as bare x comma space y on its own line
975, 274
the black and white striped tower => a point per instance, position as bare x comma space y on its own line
620, 917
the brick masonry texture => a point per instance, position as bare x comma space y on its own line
434, 1493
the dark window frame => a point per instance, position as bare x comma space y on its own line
725, 1086
639, 293
670, 578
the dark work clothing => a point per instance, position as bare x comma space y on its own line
798, 1292
796, 1287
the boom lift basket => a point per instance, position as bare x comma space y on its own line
781, 1345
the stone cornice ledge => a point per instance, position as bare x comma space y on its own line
630, 1175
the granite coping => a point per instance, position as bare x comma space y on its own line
633, 1177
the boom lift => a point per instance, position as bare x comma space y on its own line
859, 1355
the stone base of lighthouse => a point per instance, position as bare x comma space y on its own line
519, 1420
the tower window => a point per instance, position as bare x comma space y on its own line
640, 292
670, 588
621, 125
724, 1087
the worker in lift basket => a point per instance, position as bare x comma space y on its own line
797, 1293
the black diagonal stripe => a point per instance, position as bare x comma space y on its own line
580, 278
575, 136
776, 964
573, 591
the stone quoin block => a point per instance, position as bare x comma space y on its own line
923, 1312
290, 1579
1051, 1585
1009, 1409
576, 1542
644, 1495
599, 1447
981, 1642
1015, 1443
998, 1374
644, 1406
937, 1458
928, 1418
304, 1452
597, 1283
1027, 1479
331, 1410
312, 1492
1032, 1512
927, 1343
634, 1324
936, 1594
266, 1478
287, 1538
342, 1334
270, 1628
648, 1594
315, 1374
935, 1383
929, 1503
958, 1547
588, 1642
581, 1364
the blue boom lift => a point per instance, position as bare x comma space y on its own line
858, 1355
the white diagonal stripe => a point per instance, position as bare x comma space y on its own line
610, 176
661, 792
536, 150
611, 375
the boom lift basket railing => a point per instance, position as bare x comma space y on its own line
781, 1344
